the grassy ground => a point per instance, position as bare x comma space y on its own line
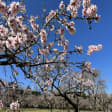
45, 110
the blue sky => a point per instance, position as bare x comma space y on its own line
101, 33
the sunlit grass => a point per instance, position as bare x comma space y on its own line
44, 110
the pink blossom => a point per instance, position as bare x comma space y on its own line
32, 20
9, 42
49, 83
44, 51
19, 19
86, 3
99, 47
64, 54
65, 47
3, 31
20, 38
25, 29
62, 5
52, 28
87, 64
84, 11
78, 49
51, 44
16, 7
94, 48
69, 8
66, 44
35, 27
71, 29
75, 3
23, 9
74, 13
15, 106
43, 35
29, 53
14, 24
3, 8
52, 13
1, 43
91, 11
93, 70
89, 83
15, 43
97, 18
1, 104
55, 50
59, 43
73, 7
73, 10
60, 31
31, 35
72, 23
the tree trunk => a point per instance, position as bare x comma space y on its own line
75, 106
51, 107
76, 109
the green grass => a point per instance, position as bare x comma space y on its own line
44, 110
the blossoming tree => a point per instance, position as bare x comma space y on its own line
25, 44
15, 106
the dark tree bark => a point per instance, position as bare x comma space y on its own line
75, 106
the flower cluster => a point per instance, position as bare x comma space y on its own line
12, 9
70, 27
94, 48
86, 3
89, 10
61, 5
62, 41
3, 31
44, 51
15, 106
60, 31
87, 64
87, 68
15, 33
43, 36
55, 50
52, 13
49, 83
78, 49
88, 83
33, 24
15, 7
3, 8
73, 7
1, 104
83, 82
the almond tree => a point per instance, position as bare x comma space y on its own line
25, 44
